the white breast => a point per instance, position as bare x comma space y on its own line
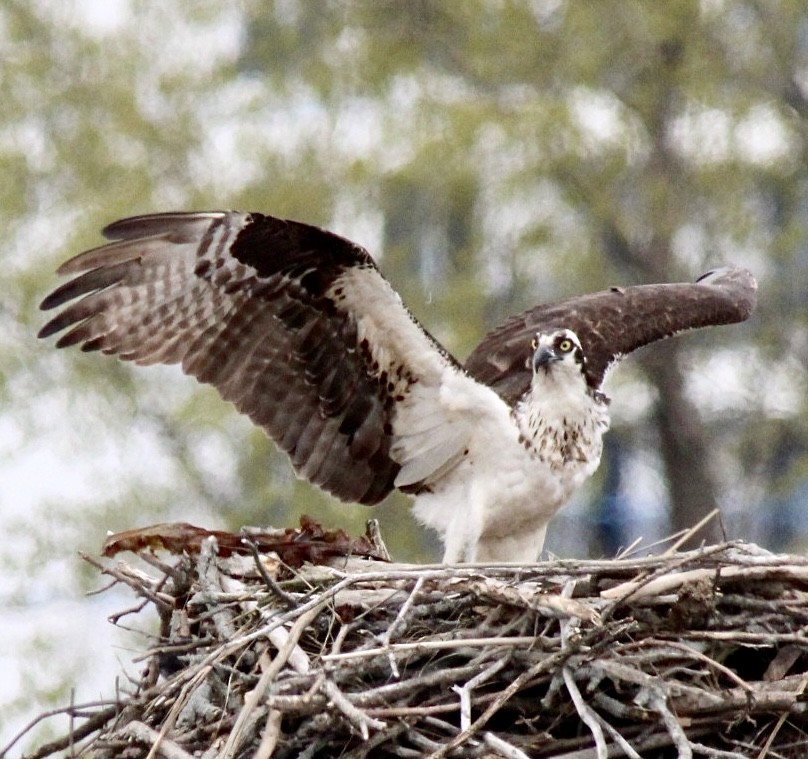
519, 468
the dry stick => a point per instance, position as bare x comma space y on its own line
678, 537
403, 611
624, 553
655, 699
691, 532
269, 581
549, 604
269, 736
386, 692
670, 581
717, 753
149, 736
465, 705
621, 593
412, 711
548, 664
431, 645
71, 746
179, 704
780, 722
628, 749
373, 533
539, 569
586, 714
487, 673
161, 600
737, 679
96, 722
503, 747
252, 699
355, 715
210, 585
400, 690
761, 640
400, 620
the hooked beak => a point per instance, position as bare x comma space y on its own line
543, 357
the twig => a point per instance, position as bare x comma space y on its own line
712, 663
134, 580
94, 723
656, 700
780, 722
465, 705
715, 753
431, 645
270, 673
673, 580
691, 531
586, 714
627, 748
357, 717
400, 620
548, 664
374, 534
267, 579
270, 735
150, 737
503, 747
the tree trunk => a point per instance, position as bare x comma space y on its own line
683, 445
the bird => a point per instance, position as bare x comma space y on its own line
297, 327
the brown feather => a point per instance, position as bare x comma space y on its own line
240, 301
611, 324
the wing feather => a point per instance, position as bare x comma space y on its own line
612, 323
264, 310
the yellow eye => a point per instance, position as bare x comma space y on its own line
565, 346
534, 343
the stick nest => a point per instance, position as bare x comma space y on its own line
279, 644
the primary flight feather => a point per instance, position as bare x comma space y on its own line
297, 327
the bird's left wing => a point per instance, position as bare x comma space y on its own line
611, 324
293, 324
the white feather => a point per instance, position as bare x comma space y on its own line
484, 490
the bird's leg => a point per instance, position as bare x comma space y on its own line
462, 536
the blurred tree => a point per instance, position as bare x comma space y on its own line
620, 141
491, 154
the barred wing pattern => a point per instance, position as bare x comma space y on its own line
252, 305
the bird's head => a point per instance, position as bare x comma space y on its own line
557, 351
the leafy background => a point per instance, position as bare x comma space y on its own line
492, 154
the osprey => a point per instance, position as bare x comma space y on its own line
298, 328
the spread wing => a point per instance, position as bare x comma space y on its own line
291, 323
611, 324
